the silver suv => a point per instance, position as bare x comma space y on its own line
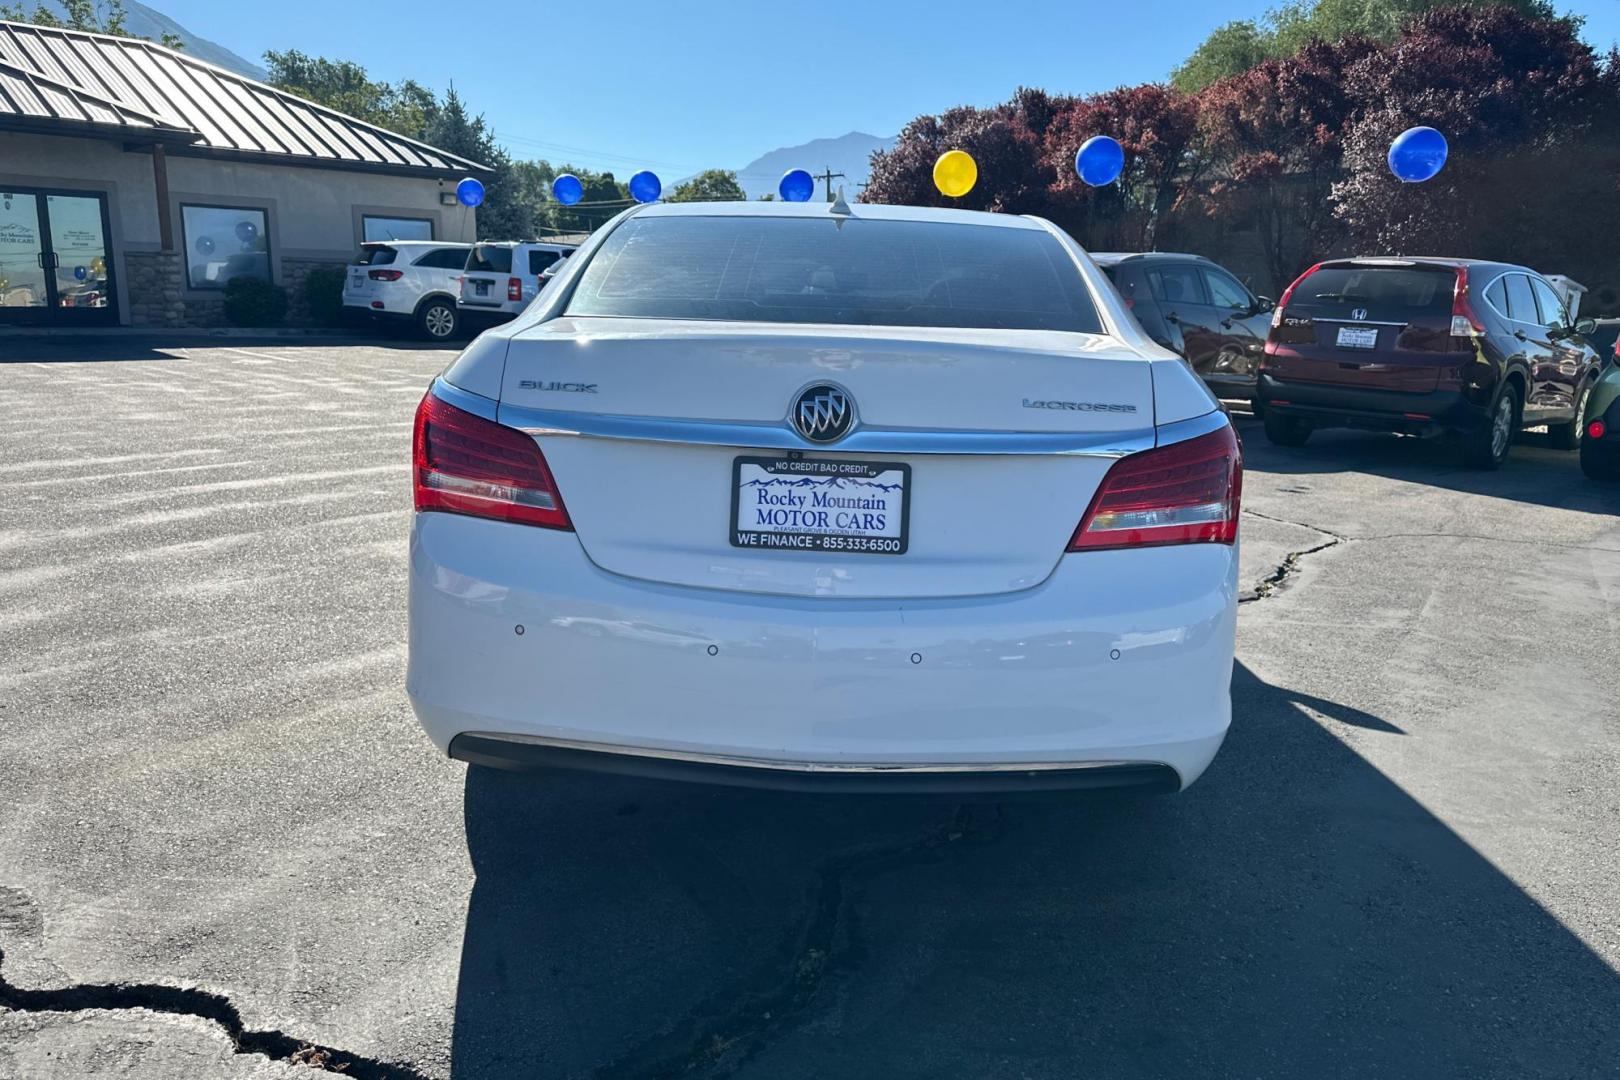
502, 277
407, 281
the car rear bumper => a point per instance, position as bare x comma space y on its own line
361, 310
1377, 410
521, 752
523, 652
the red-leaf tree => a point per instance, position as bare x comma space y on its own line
1272, 143
1155, 125
1004, 145
1531, 117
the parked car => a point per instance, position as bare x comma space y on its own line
500, 279
1600, 443
1195, 307
1425, 346
409, 282
699, 489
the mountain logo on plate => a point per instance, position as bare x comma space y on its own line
823, 414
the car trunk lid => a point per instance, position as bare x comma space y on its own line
691, 398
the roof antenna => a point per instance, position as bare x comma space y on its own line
839, 206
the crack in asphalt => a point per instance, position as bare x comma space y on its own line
725, 1031
186, 1001
1286, 569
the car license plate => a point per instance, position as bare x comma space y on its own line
482, 287
1358, 337
798, 504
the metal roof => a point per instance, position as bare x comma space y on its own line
79, 83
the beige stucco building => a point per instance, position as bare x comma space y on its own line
136, 181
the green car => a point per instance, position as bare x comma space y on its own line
1600, 442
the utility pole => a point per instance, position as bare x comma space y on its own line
827, 178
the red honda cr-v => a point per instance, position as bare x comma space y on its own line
1424, 346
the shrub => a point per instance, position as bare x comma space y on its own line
254, 302
323, 292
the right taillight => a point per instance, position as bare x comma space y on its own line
1596, 429
1184, 493
468, 465
1465, 321
385, 275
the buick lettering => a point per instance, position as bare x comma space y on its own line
864, 498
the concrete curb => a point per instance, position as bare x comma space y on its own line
188, 332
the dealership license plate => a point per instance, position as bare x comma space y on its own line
796, 504
1358, 337
482, 287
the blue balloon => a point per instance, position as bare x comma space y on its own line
80, 273
645, 187
1099, 160
1417, 154
797, 186
470, 192
567, 189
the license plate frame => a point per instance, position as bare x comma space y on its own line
1357, 337
866, 484
481, 288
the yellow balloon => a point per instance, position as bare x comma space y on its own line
955, 173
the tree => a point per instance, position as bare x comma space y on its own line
1004, 144
1230, 49
1156, 125
603, 196
107, 18
710, 185
504, 214
1272, 142
407, 108
1238, 46
1515, 96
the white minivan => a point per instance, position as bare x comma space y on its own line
501, 278
407, 281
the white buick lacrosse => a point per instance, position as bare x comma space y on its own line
826, 496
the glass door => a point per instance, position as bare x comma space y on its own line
54, 265
24, 285
77, 237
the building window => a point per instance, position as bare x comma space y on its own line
395, 228
224, 242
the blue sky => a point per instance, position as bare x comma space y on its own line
687, 84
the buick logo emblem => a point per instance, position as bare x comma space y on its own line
823, 414
1358, 314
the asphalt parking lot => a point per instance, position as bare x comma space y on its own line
226, 850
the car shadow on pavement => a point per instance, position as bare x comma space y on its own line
1534, 473
1294, 914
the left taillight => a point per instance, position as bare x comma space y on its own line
468, 465
385, 275
1185, 493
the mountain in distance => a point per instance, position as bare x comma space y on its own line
146, 22
848, 154
150, 23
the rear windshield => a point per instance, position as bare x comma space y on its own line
375, 255
811, 270
1381, 291
490, 258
